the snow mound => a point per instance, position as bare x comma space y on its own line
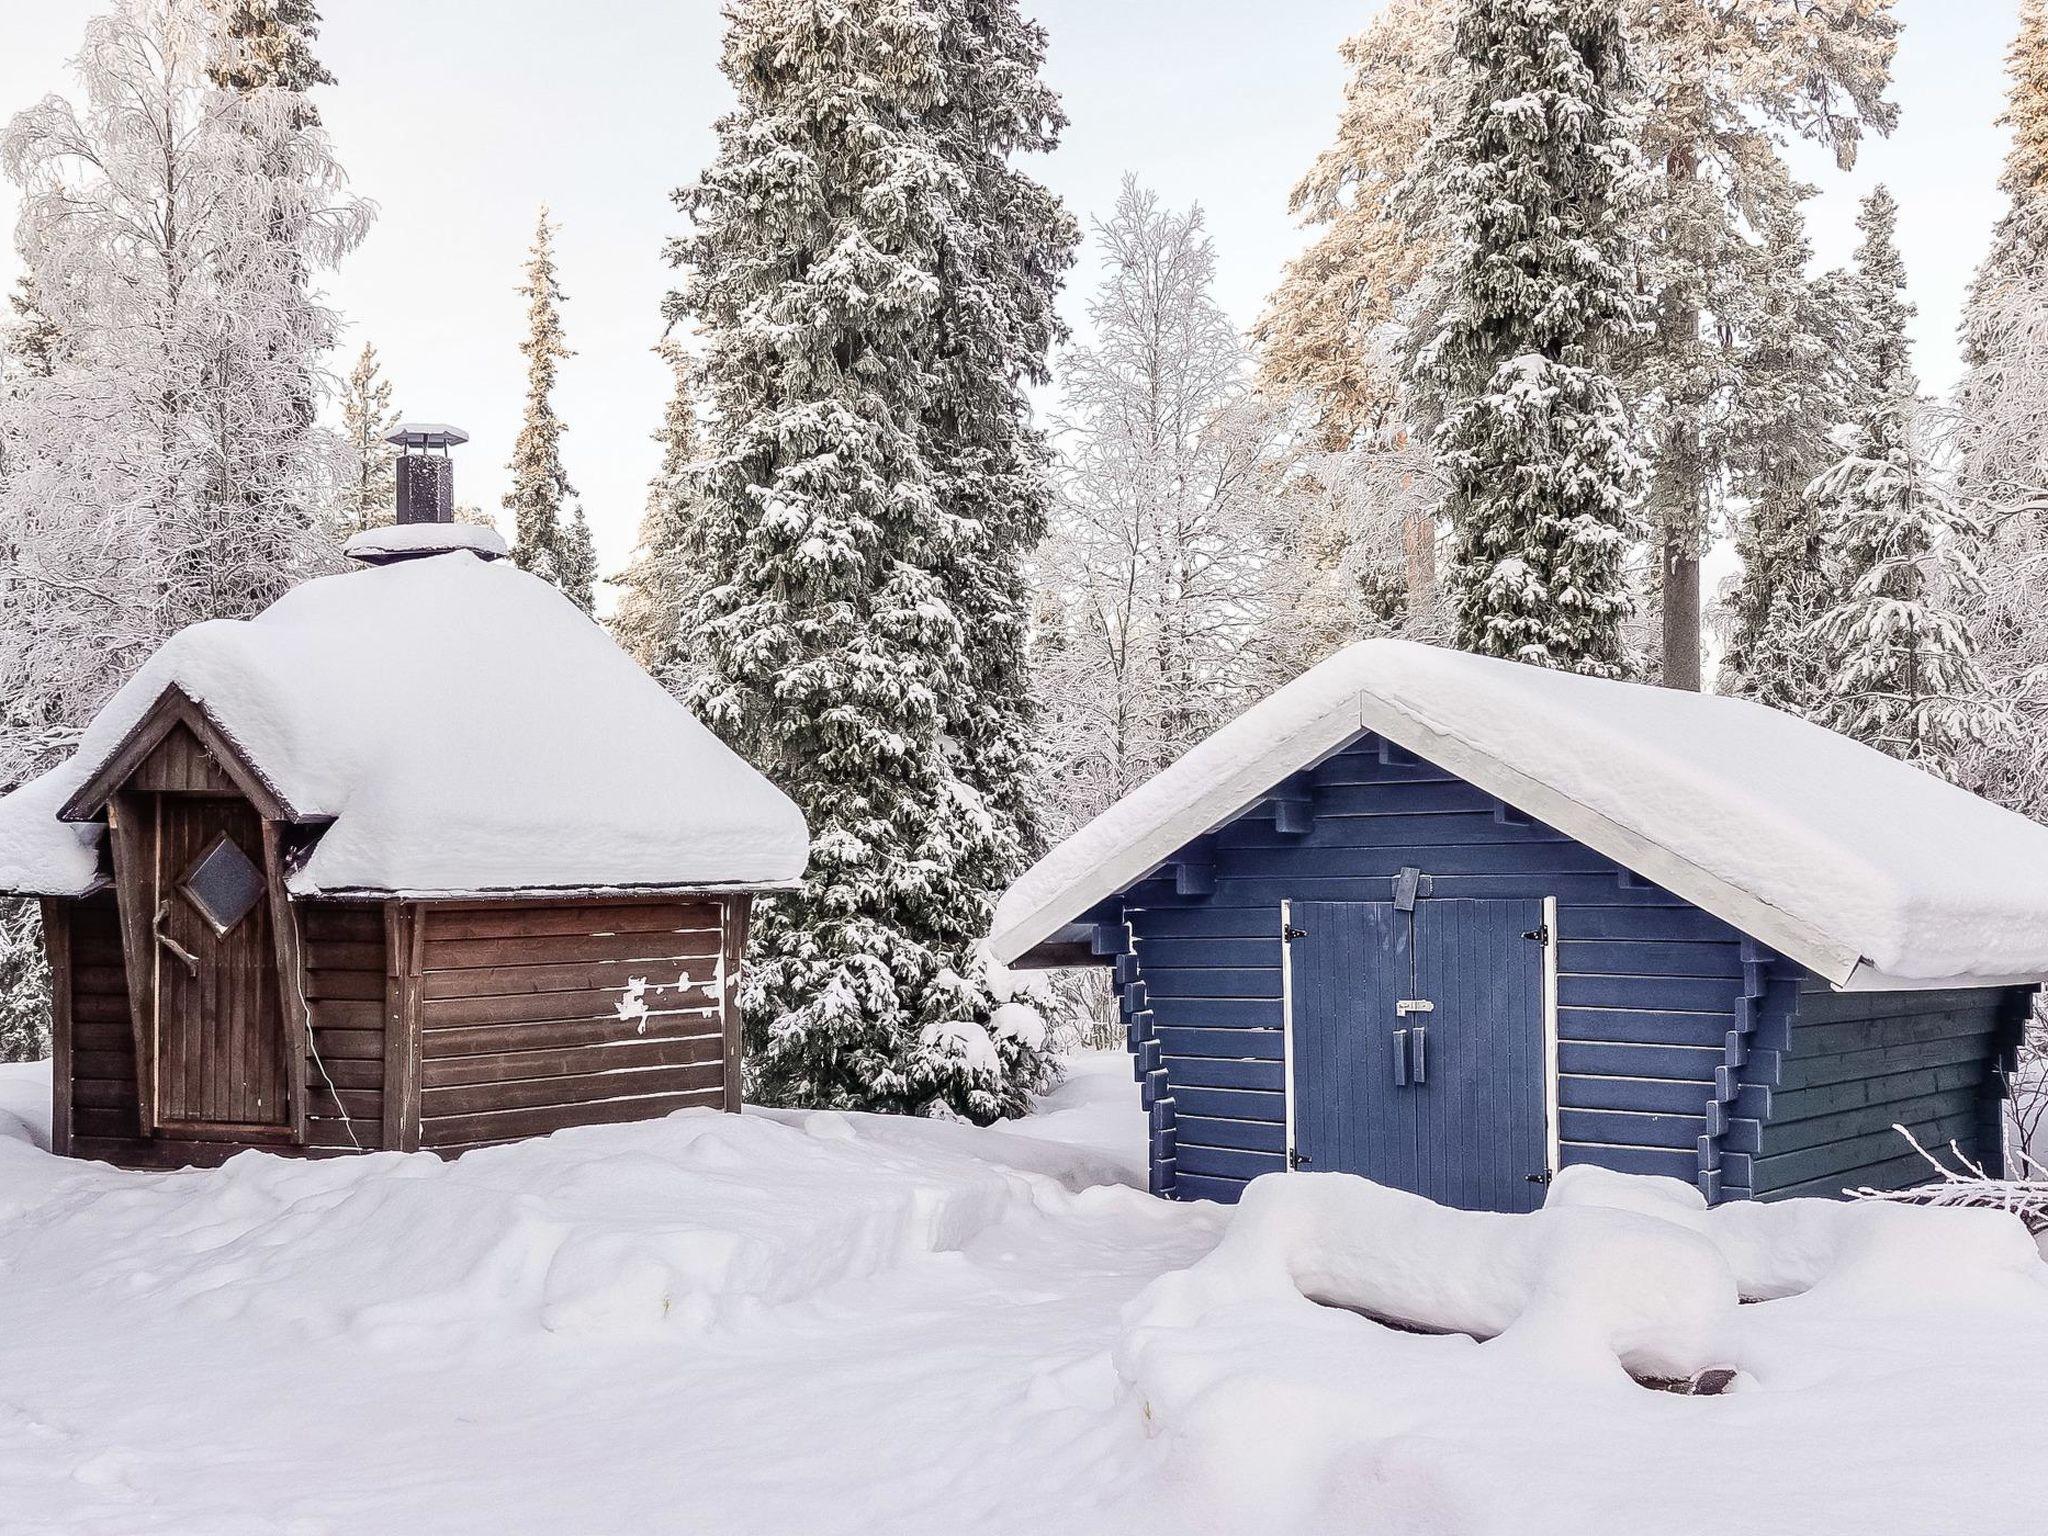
1500, 1405
701, 1220
466, 728
1849, 861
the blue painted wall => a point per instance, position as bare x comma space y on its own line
1685, 1048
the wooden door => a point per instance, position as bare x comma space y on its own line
220, 1039
1418, 1047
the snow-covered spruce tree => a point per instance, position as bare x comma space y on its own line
1789, 354
269, 43
1003, 244
576, 561
367, 418
659, 591
1534, 438
1902, 672
852, 211
540, 485
1161, 535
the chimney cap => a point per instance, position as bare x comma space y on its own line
427, 434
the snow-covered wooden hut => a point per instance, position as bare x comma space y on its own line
415, 858
1453, 923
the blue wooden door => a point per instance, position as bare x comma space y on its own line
1418, 1047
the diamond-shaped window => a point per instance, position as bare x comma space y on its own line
223, 883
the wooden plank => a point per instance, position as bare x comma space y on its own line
401, 1037
180, 763
1237, 1044
463, 1130
1828, 1007
352, 1044
520, 920
1895, 1029
542, 1007
99, 1008
365, 1105
57, 946
348, 1013
552, 1034
1229, 1162
345, 955
106, 1066
94, 1035
1244, 1135
738, 911
660, 944
291, 978
589, 1088
332, 922
104, 1121
520, 980
569, 1061
1816, 1071
345, 1072
356, 986
130, 833
1647, 957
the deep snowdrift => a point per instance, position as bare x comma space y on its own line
842, 1324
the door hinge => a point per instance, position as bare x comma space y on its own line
1291, 934
1538, 1178
1539, 935
1296, 1158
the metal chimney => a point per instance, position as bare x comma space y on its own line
426, 478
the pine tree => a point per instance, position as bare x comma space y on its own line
368, 494
576, 561
1534, 441
659, 591
1902, 672
865, 484
1723, 85
540, 485
1794, 391
271, 46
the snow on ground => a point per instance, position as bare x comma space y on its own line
838, 1323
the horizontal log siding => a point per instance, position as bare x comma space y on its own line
521, 1027
1649, 988
105, 1121
344, 950
1853, 1066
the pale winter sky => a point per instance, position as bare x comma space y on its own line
459, 117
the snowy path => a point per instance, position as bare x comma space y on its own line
829, 1324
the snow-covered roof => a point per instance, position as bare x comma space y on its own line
1869, 872
465, 728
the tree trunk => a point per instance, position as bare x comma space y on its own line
1418, 546
1681, 609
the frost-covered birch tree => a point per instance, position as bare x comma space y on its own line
869, 275
545, 537
159, 465
1902, 672
1153, 607
2001, 412
1534, 442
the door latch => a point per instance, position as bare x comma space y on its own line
1408, 1005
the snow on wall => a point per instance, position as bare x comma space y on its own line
1841, 857
467, 728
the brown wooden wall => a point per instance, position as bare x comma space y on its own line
441, 1027
521, 1030
344, 949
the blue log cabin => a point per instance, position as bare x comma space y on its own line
1453, 923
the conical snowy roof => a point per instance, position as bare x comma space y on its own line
1869, 872
462, 727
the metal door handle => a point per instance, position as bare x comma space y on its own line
1400, 1058
1421, 1054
